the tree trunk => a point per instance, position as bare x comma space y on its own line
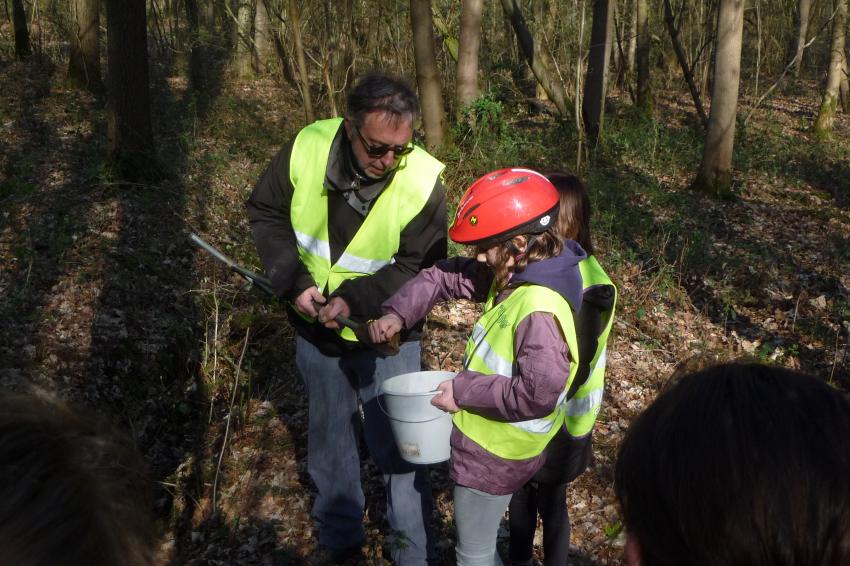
207, 16
84, 63
197, 55
595, 86
542, 71
328, 50
128, 108
244, 41
631, 55
844, 89
282, 46
826, 114
262, 36
22, 35
343, 55
230, 21
683, 62
715, 172
801, 19
618, 52
430, 89
303, 77
467, 60
644, 39
709, 28
549, 35
539, 37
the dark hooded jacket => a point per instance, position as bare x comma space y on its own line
542, 357
350, 198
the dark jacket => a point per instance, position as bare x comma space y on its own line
350, 196
542, 357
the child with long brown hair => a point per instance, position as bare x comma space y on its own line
509, 399
569, 452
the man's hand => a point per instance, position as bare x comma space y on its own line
385, 328
334, 307
445, 399
305, 301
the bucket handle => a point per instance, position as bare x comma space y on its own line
381, 407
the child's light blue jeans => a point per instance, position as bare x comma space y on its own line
477, 517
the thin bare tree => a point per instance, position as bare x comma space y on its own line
23, 49
197, 51
644, 40
844, 89
631, 54
467, 60
826, 115
427, 76
673, 30
244, 55
540, 66
798, 47
596, 83
84, 62
303, 77
263, 43
540, 32
715, 172
128, 107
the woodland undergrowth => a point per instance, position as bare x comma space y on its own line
106, 302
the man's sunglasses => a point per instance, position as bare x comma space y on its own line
381, 150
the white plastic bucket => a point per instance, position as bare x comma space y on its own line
421, 430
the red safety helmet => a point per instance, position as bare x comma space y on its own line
504, 204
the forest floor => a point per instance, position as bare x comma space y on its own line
104, 302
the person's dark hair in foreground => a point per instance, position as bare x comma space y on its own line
739, 464
71, 493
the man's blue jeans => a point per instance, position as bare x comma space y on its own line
333, 387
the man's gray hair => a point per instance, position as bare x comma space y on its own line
379, 92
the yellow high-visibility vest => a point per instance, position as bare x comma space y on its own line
490, 350
377, 240
583, 408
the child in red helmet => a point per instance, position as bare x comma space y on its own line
569, 452
510, 398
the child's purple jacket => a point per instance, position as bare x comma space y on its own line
542, 357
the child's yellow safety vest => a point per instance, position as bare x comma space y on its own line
490, 350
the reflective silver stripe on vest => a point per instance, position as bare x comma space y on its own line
361, 264
542, 426
506, 369
562, 399
347, 261
534, 426
477, 336
314, 246
491, 359
577, 407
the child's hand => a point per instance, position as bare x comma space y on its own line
445, 399
385, 328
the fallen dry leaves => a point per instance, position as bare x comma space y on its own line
105, 303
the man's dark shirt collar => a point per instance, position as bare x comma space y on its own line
344, 175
